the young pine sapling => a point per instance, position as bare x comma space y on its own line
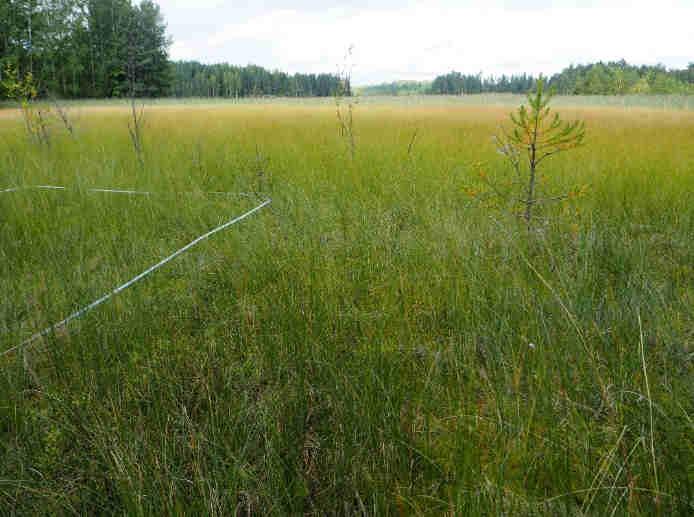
535, 135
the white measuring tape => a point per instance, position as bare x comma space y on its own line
130, 282
124, 191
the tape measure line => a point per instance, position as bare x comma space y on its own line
124, 191
79, 313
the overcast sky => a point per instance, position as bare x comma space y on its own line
419, 40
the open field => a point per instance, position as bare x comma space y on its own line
376, 341
656, 102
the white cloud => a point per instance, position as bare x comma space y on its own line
424, 39
181, 51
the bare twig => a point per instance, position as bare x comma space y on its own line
62, 113
135, 129
410, 147
345, 115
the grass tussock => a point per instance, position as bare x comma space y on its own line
375, 342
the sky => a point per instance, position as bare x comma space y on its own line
418, 40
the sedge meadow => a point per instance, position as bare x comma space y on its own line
375, 341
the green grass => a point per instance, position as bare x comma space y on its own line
363, 344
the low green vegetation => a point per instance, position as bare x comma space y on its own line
376, 341
396, 88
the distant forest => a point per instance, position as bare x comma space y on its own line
116, 48
612, 78
620, 78
193, 79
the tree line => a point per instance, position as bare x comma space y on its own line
620, 78
455, 83
193, 79
85, 48
611, 78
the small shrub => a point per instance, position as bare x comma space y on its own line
25, 92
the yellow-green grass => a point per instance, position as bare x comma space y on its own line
376, 341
